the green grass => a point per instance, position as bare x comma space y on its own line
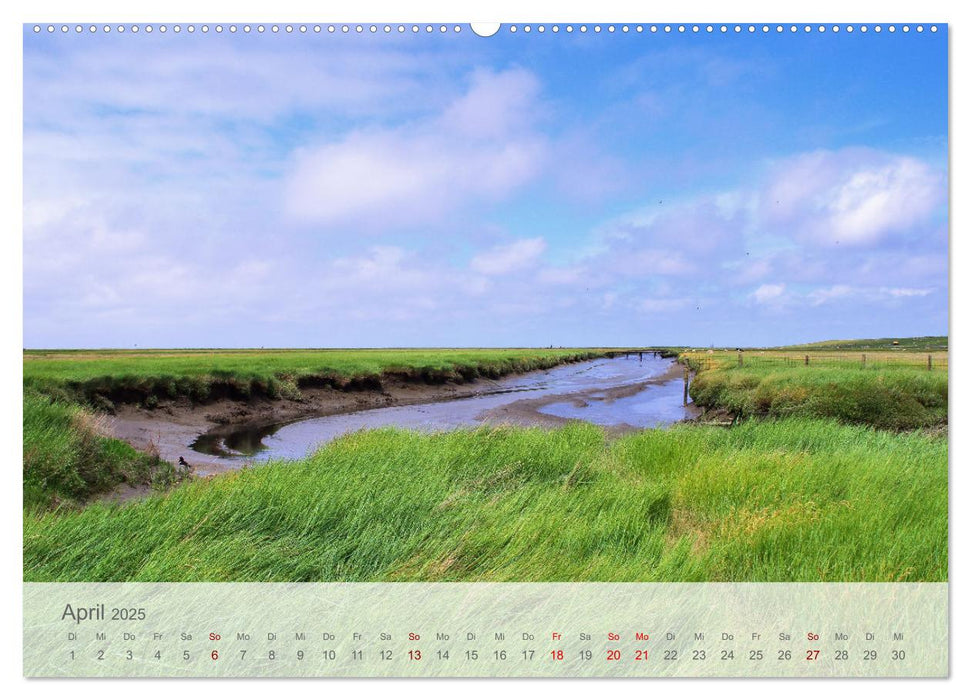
67, 460
813, 494
789, 500
926, 343
103, 377
895, 398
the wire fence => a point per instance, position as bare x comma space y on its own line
933, 362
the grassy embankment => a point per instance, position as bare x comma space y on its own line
792, 500
66, 460
103, 377
888, 388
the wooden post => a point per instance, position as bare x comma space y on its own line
864, 360
685, 399
807, 360
928, 363
739, 358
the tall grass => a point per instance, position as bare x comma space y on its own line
788, 500
889, 397
67, 459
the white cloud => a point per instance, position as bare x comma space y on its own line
495, 106
660, 306
381, 268
653, 262
827, 294
699, 225
562, 275
751, 271
217, 77
768, 293
869, 294
853, 197
512, 257
481, 149
903, 292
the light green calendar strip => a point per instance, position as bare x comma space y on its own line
486, 629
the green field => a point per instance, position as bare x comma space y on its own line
925, 343
81, 365
834, 477
101, 377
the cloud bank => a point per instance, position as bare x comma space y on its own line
243, 192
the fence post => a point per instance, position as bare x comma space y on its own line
928, 363
864, 360
807, 360
685, 399
739, 358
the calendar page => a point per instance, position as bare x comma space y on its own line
485, 350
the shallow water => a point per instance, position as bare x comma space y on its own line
653, 405
656, 405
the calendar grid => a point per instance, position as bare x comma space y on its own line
487, 629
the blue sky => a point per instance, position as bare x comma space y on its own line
451, 190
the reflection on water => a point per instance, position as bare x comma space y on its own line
241, 440
654, 405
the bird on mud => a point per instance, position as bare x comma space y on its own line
183, 463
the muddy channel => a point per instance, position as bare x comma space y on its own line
622, 394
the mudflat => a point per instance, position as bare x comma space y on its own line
529, 411
172, 426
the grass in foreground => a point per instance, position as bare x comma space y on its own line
101, 377
791, 500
